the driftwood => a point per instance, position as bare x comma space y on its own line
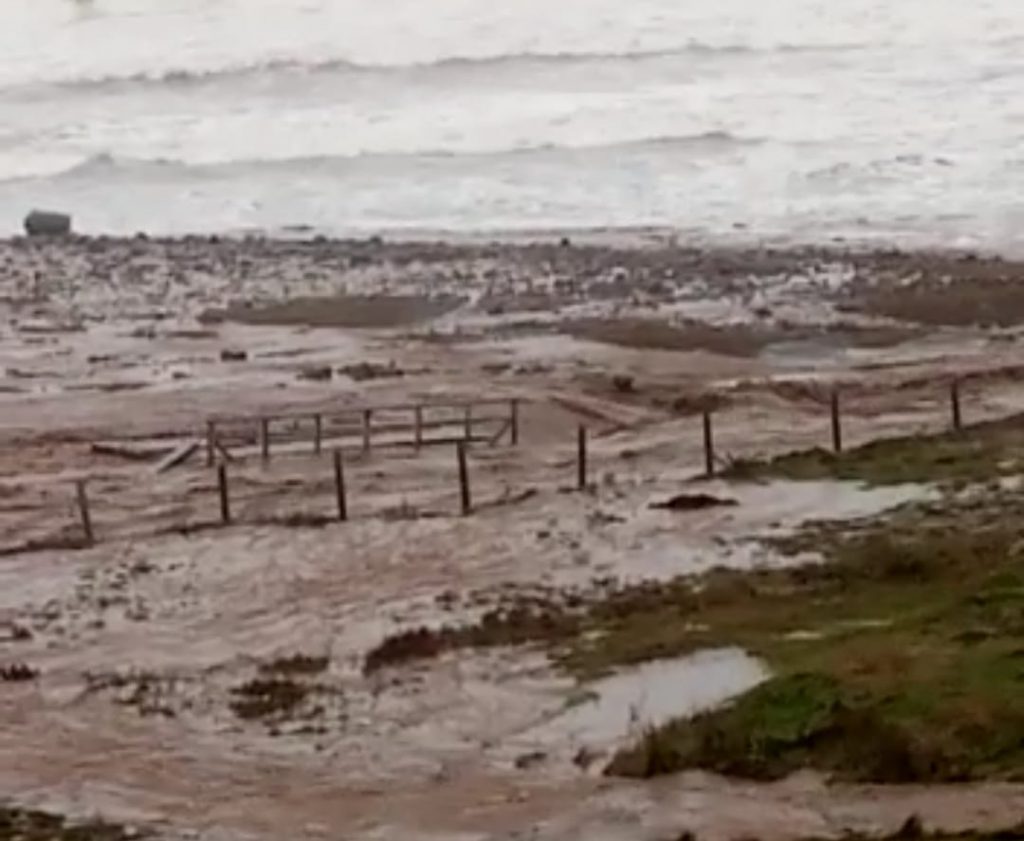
692, 502
179, 456
131, 452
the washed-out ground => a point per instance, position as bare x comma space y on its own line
206, 682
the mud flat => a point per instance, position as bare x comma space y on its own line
835, 651
351, 311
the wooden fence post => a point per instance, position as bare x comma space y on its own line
514, 422
339, 486
211, 440
581, 458
265, 439
467, 424
419, 428
467, 503
954, 396
222, 486
83, 511
837, 424
709, 446
318, 433
367, 421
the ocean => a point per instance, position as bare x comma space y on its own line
787, 120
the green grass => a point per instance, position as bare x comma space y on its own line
902, 659
977, 454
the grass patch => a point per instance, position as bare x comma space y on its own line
793, 722
18, 673
31, 825
295, 664
913, 830
266, 698
978, 454
516, 625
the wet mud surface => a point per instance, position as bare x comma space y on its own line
209, 682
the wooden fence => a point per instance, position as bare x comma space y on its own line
409, 425
364, 428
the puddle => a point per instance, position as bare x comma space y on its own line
649, 695
792, 503
661, 545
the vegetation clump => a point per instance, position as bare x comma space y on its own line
976, 454
516, 625
913, 830
295, 664
31, 825
265, 698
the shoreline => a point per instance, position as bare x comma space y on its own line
612, 236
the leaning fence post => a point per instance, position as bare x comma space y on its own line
318, 433
222, 486
339, 486
954, 396
211, 441
83, 511
264, 439
709, 446
514, 422
367, 421
467, 504
581, 458
837, 423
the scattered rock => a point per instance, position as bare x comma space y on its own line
603, 518
623, 384
371, 371
529, 760
19, 633
447, 600
316, 373
692, 502
585, 757
495, 368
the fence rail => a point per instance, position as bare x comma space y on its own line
414, 425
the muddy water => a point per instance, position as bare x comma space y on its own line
430, 751
605, 714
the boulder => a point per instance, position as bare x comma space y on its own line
45, 223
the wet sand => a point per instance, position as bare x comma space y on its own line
141, 640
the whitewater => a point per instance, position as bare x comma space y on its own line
789, 120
